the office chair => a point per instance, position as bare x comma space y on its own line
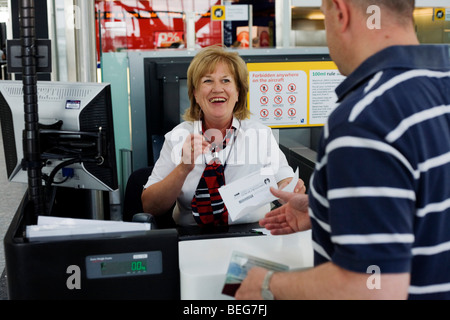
132, 205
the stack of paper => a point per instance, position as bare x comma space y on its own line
55, 228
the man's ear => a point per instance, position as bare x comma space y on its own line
343, 12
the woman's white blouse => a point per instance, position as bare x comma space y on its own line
253, 147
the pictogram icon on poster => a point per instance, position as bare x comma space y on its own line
278, 87
292, 87
292, 99
264, 88
292, 112
278, 99
264, 100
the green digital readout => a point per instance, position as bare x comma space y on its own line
127, 264
109, 268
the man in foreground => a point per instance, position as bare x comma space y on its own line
379, 199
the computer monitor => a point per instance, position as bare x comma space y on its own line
76, 134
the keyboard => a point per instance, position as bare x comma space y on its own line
199, 233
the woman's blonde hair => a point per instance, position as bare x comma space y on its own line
205, 62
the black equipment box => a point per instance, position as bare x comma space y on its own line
142, 265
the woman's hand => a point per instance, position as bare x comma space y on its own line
193, 146
299, 187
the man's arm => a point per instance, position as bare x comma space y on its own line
327, 281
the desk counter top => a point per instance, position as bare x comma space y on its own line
204, 263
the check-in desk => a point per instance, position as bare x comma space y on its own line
204, 263
102, 267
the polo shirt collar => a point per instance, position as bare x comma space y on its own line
431, 57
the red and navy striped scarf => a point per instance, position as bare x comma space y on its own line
207, 204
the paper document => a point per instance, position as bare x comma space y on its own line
55, 228
249, 193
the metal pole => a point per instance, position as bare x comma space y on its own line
53, 39
85, 41
250, 26
32, 154
189, 37
86, 61
283, 23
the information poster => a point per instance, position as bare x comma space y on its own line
292, 94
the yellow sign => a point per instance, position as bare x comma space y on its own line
218, 13
292, 94
439, 14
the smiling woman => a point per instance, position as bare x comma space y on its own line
211, 147
204, 64
217, 95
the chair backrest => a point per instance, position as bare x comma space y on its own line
132, 199
132, 203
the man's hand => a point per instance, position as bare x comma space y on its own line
291, 217
250, 288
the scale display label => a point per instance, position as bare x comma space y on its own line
123, 264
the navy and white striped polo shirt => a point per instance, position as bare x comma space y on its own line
380, 193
